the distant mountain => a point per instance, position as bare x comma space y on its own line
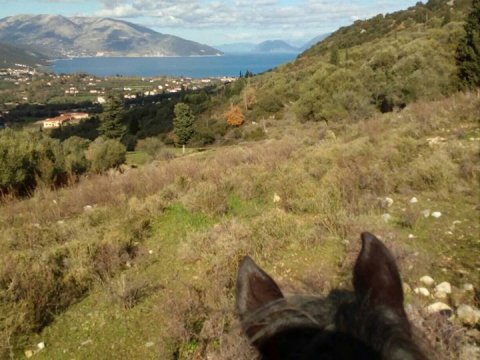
236, 47
314, 41
61, 36
11, 55
275, 46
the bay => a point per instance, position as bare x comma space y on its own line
195, 67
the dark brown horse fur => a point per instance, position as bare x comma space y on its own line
369, 323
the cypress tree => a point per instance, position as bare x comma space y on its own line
183, 123
111, 125
468, 51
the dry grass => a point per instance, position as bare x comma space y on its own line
60, 246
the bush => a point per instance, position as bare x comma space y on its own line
151, 145
27, 159
105, 154
74, 150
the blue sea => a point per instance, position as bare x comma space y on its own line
195, 67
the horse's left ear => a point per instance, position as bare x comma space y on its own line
255, 288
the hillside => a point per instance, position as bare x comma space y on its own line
376, 65
359, 133
11, 55
60, 36
140, 265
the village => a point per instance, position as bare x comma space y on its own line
23, 85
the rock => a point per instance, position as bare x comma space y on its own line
468, 315
439, 307
459, 297
60, 222
444, 287
441, 295
149, 344
387, 202
467, 287
88, 208
425, 213
413, 200
87, 342
427, 280
386, 217
276, 198
437, 214
422, 291
28, 353
150, 252
411, 236
41, 345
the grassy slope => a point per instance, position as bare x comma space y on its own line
157, 255
11, 55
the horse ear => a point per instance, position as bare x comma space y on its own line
376, 275
255, 288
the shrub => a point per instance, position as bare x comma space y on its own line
27, 159
151, 145
235, 116
105, 154
74, 150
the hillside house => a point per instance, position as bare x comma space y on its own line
59, 121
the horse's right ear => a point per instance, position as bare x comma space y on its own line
255, 288
376, 275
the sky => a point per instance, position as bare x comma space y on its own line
215, 22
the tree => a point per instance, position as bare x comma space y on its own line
183, 124
468, 51
111, 125
235, 116
105, 154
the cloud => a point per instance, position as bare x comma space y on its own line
272, 16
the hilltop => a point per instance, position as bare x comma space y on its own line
61, 36
11, 55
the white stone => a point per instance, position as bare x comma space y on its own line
41, 345
427, 280
437, 214
88, 208
468, 287
468, 315
425, 213
150, 252
386, 217
444, 287
438, 307
388, 202
60, 222
413, 200
411, 236
276, 198
422, 291
149, 344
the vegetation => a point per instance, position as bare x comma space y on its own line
111, 125
148, 256
183, 123
140, 263
468, 51
235, 116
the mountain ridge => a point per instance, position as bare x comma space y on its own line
78, 36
